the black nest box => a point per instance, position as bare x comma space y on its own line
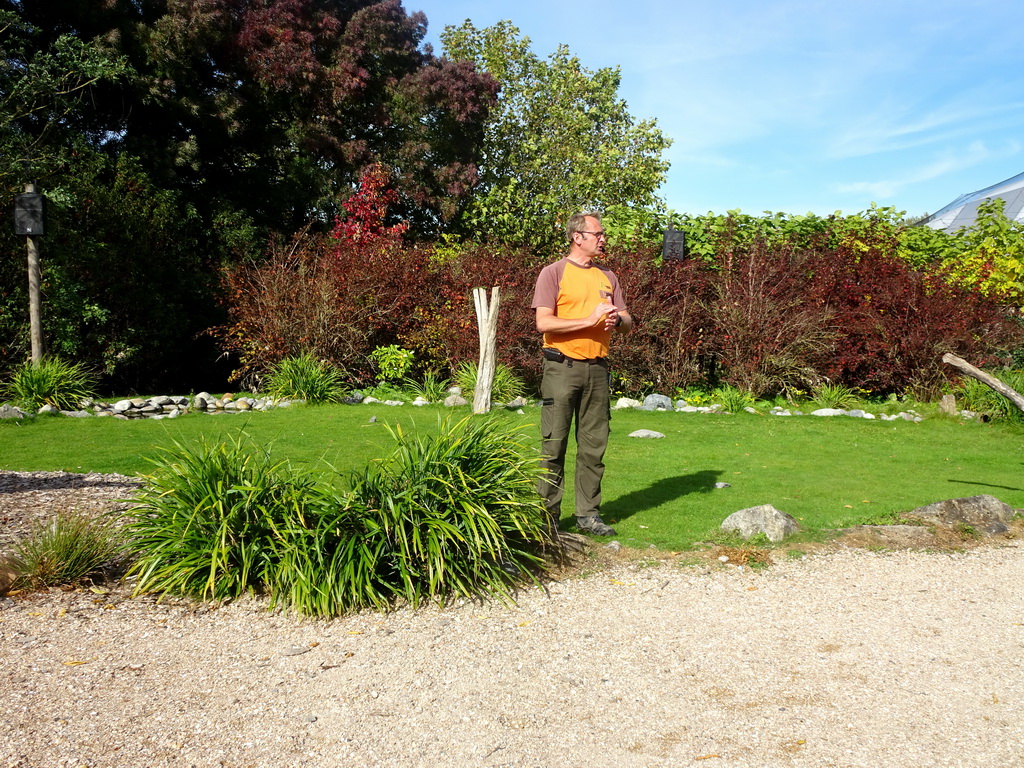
29, 214
674, 244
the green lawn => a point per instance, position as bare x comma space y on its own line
826, 472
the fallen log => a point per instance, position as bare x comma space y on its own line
987, 379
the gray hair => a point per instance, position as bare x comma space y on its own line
578, 223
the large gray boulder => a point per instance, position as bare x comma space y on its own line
766, 519
984, 513
8, 411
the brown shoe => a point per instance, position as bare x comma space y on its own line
594, 525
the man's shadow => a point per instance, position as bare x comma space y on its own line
660, 492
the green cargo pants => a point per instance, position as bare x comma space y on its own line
578, 390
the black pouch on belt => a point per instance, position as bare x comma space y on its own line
550, 353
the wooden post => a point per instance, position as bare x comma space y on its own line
487, 326
990, 381
34, 302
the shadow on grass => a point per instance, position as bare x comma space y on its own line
986, 485
660, 492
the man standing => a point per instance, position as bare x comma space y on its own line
578, 305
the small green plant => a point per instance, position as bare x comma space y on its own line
52, 381
972, 395
392, 362
834, 396
304, 377
507, 386
386, 391
65, 550
732, 399
432, 387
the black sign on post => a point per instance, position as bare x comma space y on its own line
674, 244
29, 214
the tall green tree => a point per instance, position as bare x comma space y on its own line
560, 140
46, 83
270, 109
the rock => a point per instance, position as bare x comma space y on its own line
723, 485
657, 403
650, 433
985, 513
518, 402
627, 402
454, 400
948, 404
766, 519
8, 411
419, 401
828, 412
48, 409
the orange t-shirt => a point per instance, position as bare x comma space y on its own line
572, 292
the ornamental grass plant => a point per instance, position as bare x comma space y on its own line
66, 549
206, 522
447, 515
307, 378
457, 511
507, 386
52, 381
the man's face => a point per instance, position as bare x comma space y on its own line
589, 243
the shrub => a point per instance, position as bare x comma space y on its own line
52, 381
392, 362
451, 515
65, 550
307, 378
768, 337
454, 515
206, 522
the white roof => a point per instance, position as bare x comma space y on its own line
963, 211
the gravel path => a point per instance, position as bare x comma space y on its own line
852, 658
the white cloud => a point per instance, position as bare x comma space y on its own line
976, 153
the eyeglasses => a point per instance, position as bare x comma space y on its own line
598, 235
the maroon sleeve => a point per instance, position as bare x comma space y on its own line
618, 297
545, 294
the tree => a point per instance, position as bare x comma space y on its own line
44, 83
268, 110
560, 140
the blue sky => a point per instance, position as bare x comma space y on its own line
800, 105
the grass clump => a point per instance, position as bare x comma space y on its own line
67, 549
972, 395
457, 512
52, 381
834, 396
732, 399
206, 522
453, 514
432, 387
306, 378
507, 386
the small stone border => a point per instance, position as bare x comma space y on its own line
663, 403
169, 407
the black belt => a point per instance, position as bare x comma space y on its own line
552, 354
